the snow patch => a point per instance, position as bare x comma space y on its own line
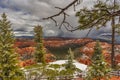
78, 65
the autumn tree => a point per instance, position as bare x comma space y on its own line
98, 68
9, 69
39, 52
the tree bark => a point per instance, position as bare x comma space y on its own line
113, 44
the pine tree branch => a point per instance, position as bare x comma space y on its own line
116, 13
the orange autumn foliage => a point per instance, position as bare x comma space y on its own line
22, 43
26, 63
115, 78
112, 78
85, 61
117, 58
49, 57
28, 50
56, 42
88, 50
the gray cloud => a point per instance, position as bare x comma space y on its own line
25, 14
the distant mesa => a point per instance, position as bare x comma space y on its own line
107, 37
25, 37
104, 37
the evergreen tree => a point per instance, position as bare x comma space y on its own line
40, 52
9, 69
69, 64
70, 68
99, 15
98, 68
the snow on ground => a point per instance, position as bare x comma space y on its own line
80, 66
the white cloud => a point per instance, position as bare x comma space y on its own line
50, 33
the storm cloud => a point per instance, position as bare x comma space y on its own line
25, 14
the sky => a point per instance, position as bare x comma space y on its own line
25, 14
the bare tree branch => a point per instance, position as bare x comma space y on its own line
64, 22
89, 32
54, 21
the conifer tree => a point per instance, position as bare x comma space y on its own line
99, 15
40, 52
69, 64
98, 68
9, 69
70, 68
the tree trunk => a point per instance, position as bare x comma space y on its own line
113, 44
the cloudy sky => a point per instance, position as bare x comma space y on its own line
25, 14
